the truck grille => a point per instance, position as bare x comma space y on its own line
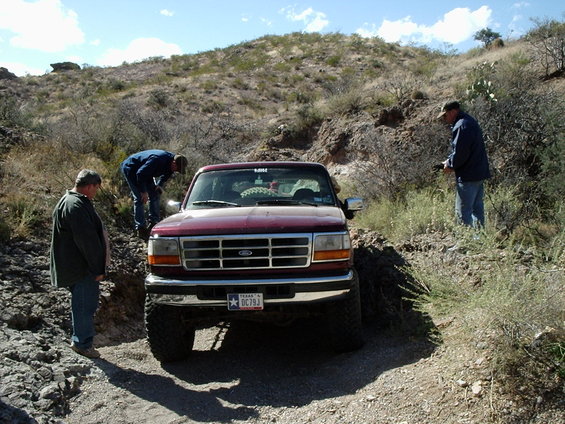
270, 251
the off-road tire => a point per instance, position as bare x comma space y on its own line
169, 335
345, 321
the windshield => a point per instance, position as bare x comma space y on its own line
261, 186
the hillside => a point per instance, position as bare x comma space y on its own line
364, 108
239, 96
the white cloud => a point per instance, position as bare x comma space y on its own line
139, 49
367, 30
44, 25
266, 22
314, 21
520, 5
21, 69
457, 25
166, 12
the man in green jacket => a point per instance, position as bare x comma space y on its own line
79, 249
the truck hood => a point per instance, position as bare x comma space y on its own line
252, 220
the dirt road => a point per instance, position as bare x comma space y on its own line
263, 374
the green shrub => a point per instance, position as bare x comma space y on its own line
213, 106
547, 41
308, 117
158, 99
240, 84
23, 214
421, 212
209, 85
116, 85
345, 103
333, 60
303, 97
11, 113
251, 102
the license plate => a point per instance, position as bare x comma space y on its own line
245, 301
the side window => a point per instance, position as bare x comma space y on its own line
202, 190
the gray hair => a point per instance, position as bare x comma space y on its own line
87, 177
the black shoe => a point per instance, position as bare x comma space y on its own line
89, 353
143, 233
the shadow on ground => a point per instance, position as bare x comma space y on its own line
256, 365
252, 365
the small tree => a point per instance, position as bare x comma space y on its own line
486, 36
548, 45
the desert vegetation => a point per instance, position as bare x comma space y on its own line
366, 109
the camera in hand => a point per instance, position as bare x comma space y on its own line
437, 167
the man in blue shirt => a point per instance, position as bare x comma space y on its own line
469, 161
146, 173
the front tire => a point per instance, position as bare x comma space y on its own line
345, 321
170, 336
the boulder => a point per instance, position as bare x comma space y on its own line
64, 66
5, 74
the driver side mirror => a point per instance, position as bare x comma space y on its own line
353, 204
173, 206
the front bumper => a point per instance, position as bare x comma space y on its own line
210, 293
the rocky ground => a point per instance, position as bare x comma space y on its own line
244, 372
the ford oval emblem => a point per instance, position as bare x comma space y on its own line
245, 253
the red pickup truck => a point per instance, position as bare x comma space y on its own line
260, 240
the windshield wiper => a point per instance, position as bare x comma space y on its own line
219, 203
284, 202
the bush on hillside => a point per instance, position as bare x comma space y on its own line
522, 133
11, 113
394, 167
547, 41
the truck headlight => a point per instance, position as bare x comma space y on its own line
163, 251
331, 247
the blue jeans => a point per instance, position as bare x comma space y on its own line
84, 302
469, 205
138, 206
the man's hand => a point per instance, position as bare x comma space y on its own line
144, 197
447, 169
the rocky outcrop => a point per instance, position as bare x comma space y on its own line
6, 75
64, 66
391, 117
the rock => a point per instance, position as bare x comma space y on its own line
390, 117
50, 392
64, 66
6, 75
477, 388
462, 383
547, 335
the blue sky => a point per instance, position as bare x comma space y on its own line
36, 33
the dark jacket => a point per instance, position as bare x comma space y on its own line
78, 246
468, 157
140, 168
